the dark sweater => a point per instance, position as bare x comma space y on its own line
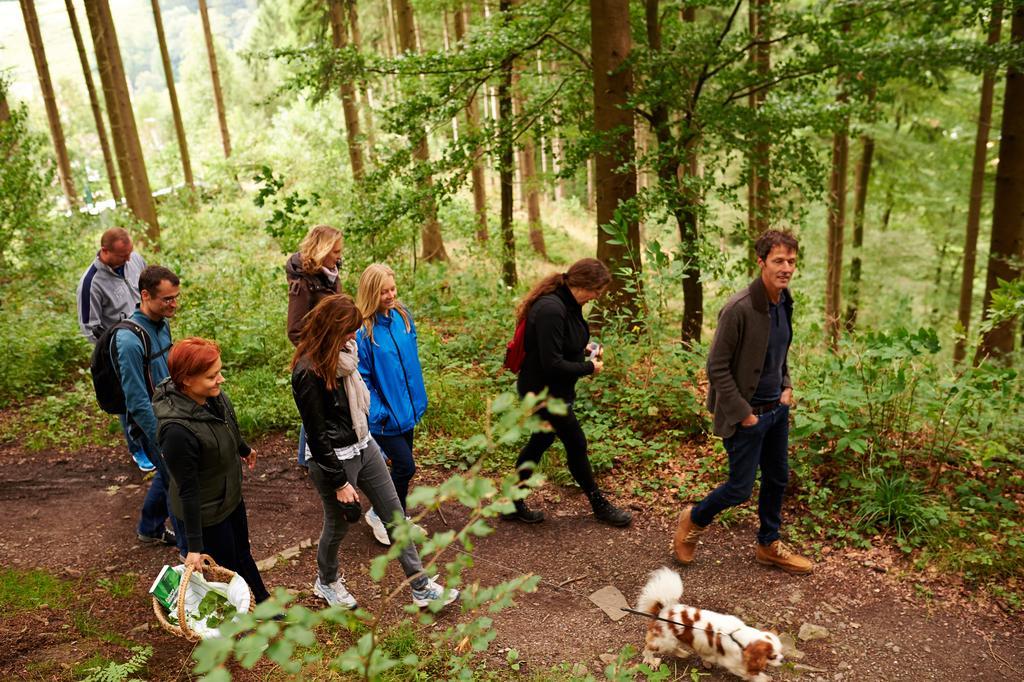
555, 343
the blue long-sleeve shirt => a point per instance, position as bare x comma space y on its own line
130, 364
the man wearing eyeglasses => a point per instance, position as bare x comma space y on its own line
159, 289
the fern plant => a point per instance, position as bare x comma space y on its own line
122, 672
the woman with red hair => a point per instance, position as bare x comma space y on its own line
198, 435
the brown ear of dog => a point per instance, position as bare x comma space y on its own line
755, 656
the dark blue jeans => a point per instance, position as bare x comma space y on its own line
764, 445
398, 450
155, 508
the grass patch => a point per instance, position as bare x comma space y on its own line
121, 586
26, 590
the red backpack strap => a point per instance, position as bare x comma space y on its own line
515, 350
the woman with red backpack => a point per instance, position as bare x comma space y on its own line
556, 341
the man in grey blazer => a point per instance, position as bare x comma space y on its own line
750, 396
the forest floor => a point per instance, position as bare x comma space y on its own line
73, 516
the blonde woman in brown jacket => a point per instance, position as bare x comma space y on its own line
312, 273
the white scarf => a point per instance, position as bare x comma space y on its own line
355, 390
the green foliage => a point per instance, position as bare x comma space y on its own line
26, 171
289, 220
121, 672
290, 642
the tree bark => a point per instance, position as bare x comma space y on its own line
506, 163
218, 96
1007, 243
35, 40
860, 198
615, 176
836, 221
759, 188
364, 87
172, 94
122, 124
675, 177
347, 92
977, 191
117, 125
430, 233
94, 103
473, 127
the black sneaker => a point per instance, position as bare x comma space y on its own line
606, 512
167, 537
524, 514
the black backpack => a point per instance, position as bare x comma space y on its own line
106, 378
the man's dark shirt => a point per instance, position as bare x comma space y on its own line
769, 388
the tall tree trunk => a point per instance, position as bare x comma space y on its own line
94, 103
506, 162
366, 93
613, 121
531, 184
430, 233
35, 41
218, 96
759, 187
977, 190
348, 94
1007, 245
860, 198
5, 109
473, 128
684, 201
837, 221
122, 123
118, 132
172, 93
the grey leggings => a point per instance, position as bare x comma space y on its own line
368, 472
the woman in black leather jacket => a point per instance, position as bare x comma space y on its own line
334, 403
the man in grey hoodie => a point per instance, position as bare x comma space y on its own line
108, 293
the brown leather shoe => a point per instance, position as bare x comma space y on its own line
777, 554
684, 544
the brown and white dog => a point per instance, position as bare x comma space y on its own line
716, 638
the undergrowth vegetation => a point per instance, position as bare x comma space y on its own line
889, 437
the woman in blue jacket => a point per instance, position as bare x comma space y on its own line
389, 362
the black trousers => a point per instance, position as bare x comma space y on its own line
228, 543
568, 430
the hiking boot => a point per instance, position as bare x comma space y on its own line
777, 554
167, 537
684, 543
380, 533
432, 591
334, 593
606, 512
142, 461
524, 513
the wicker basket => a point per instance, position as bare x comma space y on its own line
212, 571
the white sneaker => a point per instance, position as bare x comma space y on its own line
433, 591
334, 593
380, 533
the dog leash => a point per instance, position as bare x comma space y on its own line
675, 622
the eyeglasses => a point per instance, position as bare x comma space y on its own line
170, 299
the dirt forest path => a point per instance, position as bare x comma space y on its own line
74, 516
